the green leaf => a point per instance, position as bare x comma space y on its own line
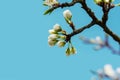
49, 11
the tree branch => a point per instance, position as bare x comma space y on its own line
65, 4
106, 8
108, 31
88, 10
77, 31
95, 20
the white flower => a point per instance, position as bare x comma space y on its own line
67, 15
50, 2
52, 42
108, 70
61, 43
53, 36
52, 31
57, 27
99, 40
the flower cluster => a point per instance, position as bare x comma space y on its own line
57, 36
109, 72
71, 49
60, 37
50, 3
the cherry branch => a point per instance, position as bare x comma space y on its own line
102, 23
77, 31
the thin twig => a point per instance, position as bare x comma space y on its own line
77, 31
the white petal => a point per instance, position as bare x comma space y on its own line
110, 72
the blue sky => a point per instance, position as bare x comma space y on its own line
26, 55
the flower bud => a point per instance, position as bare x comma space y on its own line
52, 31
52, 42
73, 50
61, 43
53, 36
67, 15
50, 2
63, 37
68, 51
57, 28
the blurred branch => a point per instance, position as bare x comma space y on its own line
100, 43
